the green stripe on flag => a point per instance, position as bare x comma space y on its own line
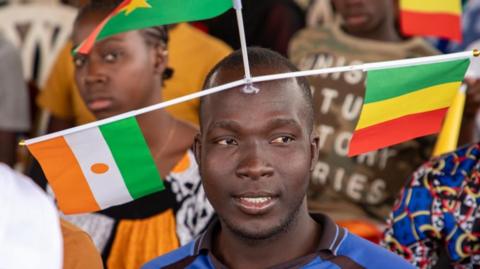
163, 12
133, 157
388, 83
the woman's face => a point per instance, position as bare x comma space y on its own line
120, 74
363, 16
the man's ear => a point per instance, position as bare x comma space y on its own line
314, 147
160, 60
197, 148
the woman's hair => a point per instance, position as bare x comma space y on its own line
154, 36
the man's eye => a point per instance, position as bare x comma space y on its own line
79, 62
110, 57
227, 141
282, 140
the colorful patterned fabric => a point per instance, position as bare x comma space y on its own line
438, 212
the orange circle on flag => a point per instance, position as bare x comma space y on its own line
99, 168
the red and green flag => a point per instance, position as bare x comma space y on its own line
404, 103
439, 18
137, 14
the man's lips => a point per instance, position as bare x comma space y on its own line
255, 203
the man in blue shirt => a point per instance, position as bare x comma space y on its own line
256, 153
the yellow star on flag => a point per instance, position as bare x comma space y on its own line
134, 4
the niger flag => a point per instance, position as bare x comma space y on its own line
439, 18
98, 167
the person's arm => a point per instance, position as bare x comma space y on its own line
14, 104
78, 249
411, 231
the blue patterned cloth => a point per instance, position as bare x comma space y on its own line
438, 212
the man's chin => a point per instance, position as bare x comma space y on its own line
257, 235
257, 232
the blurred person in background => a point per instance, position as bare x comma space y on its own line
361, 189
14, 101
268, 24
192, 54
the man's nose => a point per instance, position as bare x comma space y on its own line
254, 163
95, 73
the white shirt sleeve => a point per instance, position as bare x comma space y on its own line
30, 235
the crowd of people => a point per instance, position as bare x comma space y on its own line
251, 180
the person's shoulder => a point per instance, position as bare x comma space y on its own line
463, 158
369, 255
185, 253
458, 163
74, 236
79, 250
26, 204
313, 39
468, 151
418, 47
312, 35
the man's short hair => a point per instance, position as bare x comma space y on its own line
261, 58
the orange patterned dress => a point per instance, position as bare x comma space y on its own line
131, 234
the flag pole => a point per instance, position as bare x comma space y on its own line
134, 113
373, 66
238, 83
249, 88
448, 138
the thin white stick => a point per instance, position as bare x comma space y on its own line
137, 112
237, 83
237, 5
369, 66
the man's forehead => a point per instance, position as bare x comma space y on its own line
231, 72
268, 91
275, 99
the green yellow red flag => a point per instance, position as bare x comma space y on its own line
439, 18
137, 14
404, 103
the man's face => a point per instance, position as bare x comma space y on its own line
255, 153
363, 16
119, 73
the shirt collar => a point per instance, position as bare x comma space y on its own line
330, 238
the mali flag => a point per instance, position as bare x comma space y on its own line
404, 103
439, 18
98, 167
137, 14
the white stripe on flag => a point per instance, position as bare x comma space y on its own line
89, 148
